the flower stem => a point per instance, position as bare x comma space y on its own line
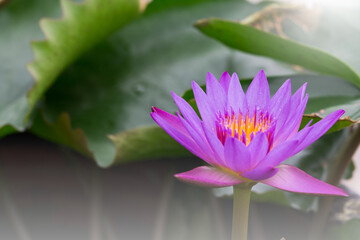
341, 162
241, 203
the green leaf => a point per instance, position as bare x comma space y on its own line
109, 92
333, 30
251, 40
18, 24
81, 27
135, 144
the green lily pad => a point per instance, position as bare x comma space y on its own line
81, 27
18, 24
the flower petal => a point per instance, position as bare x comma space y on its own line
280, 99
183, 138
170, 119
258, 148
216, 145
187, 111
199, 138
236, 95
298, 96
291, 126
258, 93
209, 176
317, 130
290, 178
280, 153
266, 168
225, 81
280, 107
237, 156
215, 92
298, 105
260, 173
206, 110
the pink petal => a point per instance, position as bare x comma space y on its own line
258, 93
209, 176
225, 81
292, 179
298, 96
237, 156
266, 168
318, 129
216, 145
215, 92
291, 126
206, 110
258, 148
236, 95
199, 137
187, 111
298, 105
176, 132
279, 153
280, 99
260, 173
170, 119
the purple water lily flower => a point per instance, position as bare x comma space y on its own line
246, 137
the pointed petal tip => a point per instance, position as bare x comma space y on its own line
261, 75
292, 179
234, 77
342, 193
302, 89
208, 177
341, 112
173, 94
210, 76
194, 84
225, 81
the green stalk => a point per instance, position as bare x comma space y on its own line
341, 162
241, 203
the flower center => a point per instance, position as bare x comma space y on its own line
243, 127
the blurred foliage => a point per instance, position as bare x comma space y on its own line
251, 40
100, 103
349, 231
109, 91
66, 38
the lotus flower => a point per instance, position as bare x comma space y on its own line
246, 137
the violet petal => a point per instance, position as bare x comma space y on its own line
209, 176
292, 179
237, 156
